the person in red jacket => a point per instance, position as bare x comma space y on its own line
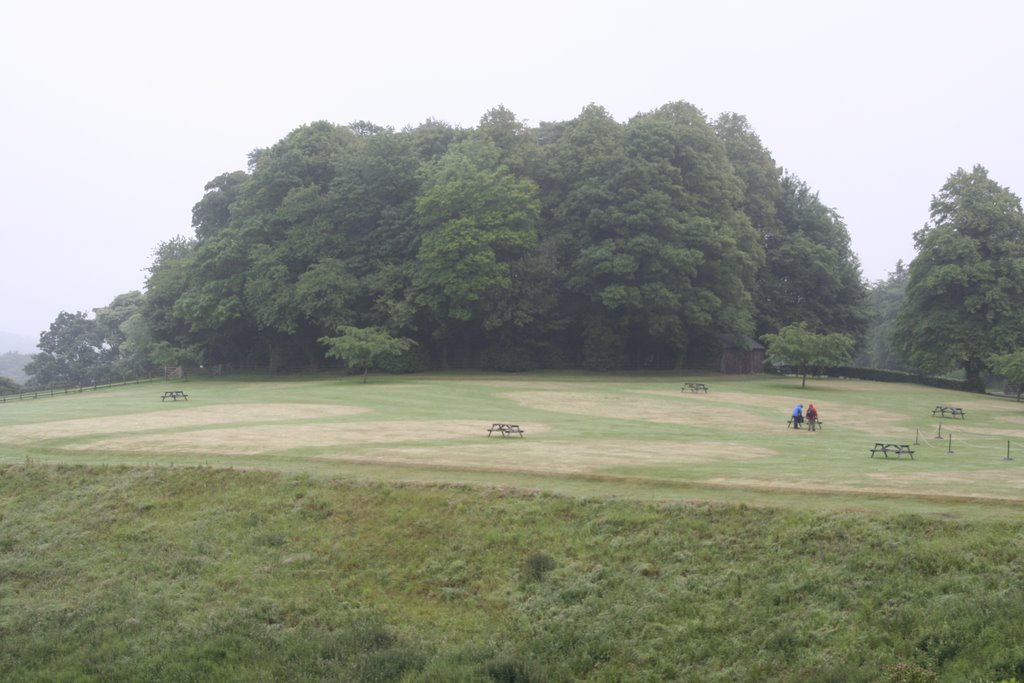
812, 417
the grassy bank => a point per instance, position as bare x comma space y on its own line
177, 574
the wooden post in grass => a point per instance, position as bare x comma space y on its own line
1007, 451
949, 450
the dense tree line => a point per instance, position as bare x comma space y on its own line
586, 243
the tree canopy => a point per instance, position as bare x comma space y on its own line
807, 351
966, 284
360, 347
583, 243
1011, 367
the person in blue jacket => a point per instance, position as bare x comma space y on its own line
798, 415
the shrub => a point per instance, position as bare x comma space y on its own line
537, 565
508, 670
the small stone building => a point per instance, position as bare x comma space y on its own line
741, 355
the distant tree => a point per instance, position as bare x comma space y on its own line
1011, 367
966, 285
360, 347
885, 298
8, 385
70, 352
110, 318
136, 351
12, 365
168, 279
77, 350
804, 350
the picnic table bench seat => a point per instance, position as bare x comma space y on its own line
695, 387
949, 411
174, 395
506, 429
897, 450
818, 424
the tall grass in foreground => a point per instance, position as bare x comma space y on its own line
118, 574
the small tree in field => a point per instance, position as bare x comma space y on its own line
1011, 367
360, 347
805, 350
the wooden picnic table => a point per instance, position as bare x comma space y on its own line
949, 411
897, 450
506, 429
812, 425
695, 387
174, 395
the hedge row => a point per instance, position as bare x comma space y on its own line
878, 375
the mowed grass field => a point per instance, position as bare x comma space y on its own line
629, 436
319, 529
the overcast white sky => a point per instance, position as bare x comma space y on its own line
115, 113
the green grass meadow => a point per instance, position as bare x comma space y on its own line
317, 529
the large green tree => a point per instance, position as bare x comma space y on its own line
70, 352
660, 252
966, 285
366, 279
810, 273
167, 279
584, 158
127, 337
257, 236
478, 220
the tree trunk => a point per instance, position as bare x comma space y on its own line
972, 369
